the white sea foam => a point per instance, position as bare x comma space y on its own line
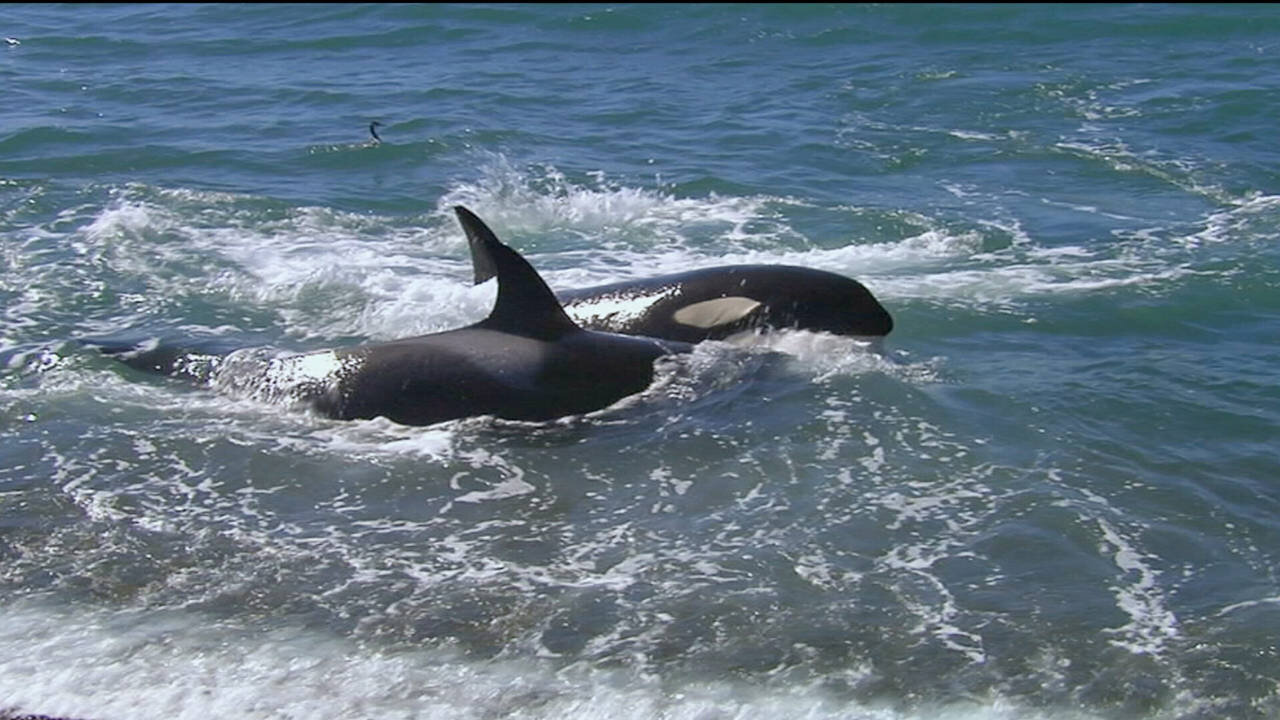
1151, 624
531, 202
1138, 591
178, 665
1122, 158
324, 273
1255, 216
937, 263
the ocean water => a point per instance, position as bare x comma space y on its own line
1053, 492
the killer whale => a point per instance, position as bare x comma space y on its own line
714, 303
526, 361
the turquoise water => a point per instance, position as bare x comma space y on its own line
1052, 493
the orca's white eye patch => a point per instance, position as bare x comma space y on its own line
711, 313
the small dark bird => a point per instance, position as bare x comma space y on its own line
372, 131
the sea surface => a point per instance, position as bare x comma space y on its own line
1052, 492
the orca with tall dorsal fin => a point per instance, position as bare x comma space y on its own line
526, 361
714, 303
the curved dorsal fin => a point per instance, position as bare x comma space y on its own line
525, 305
482, 262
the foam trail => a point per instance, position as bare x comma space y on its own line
173, 665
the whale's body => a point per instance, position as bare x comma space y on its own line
526, 361
714, 303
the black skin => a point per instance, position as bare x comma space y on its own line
526, 361
530, 360
786, 297
789, 298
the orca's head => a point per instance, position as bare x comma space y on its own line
814, 300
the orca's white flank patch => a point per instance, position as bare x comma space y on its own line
711, 313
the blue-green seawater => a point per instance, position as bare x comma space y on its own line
1054, 491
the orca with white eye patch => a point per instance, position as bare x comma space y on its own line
717, 302
526, 361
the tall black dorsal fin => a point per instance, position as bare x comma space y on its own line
525, 305
482, 262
